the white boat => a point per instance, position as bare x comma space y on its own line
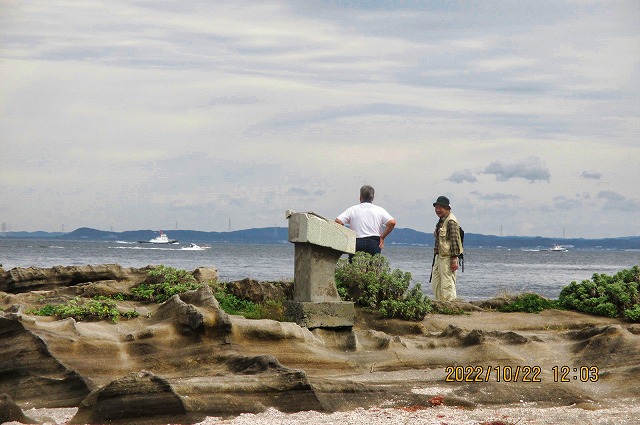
557, 248
194, 247
161, 239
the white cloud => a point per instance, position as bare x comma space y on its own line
616, 201
531, 169
462, 176
593, 175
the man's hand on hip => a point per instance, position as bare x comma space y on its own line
454, 263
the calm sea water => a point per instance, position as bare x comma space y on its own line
487, 271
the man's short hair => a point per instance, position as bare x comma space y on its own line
366, 193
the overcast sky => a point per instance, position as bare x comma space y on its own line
200, 115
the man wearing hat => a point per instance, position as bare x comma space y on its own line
447, 248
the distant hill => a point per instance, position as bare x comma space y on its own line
271, 235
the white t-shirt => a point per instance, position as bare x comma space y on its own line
365, 219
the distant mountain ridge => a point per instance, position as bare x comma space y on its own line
274, 235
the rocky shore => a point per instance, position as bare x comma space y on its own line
187, 361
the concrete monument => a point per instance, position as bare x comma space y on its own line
319, 243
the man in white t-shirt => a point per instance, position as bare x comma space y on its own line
371, 223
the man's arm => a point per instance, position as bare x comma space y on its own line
388, 228
453, 231
339, 222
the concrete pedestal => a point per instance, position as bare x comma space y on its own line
314, 273
318, 246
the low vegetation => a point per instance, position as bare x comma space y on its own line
603, 295
369, 282
529, 303
169, 282
231, 304
97, 308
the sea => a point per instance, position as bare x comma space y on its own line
487, 272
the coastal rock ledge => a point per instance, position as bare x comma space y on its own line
186, 359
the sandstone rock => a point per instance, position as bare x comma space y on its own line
253, 365
366, 319
453, 331
19, 280
205, 275
222, 365
106, 288
606, 346
247, 331
259, 292
252, 384
10, 411
343, 340
140, 398
31, 374
455, 306
475, 337
511, 337
195, 313
380, 340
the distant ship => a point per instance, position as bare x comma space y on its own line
557, 248
554, 248
161, 239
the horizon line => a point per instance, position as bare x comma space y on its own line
3, 234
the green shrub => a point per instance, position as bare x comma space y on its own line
610, 296
529, 303
633, 314
414, 306
231, 304
234, 305
171, 281
369, 282
97, 308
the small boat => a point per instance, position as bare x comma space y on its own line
557, 248
161, 239
194, 247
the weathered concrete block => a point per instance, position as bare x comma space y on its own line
309, 228
319, 244
314, 273
313, 315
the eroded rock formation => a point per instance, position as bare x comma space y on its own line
11, 412
187, 358
140, 398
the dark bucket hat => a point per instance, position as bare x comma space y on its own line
442, 200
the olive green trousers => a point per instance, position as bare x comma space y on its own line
443, 282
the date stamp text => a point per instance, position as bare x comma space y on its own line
519, 374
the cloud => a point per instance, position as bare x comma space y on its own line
531, 169
564, 203
591, 175
298, 191
138, 114
462, 176
610, 195
496, 196
618, 201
